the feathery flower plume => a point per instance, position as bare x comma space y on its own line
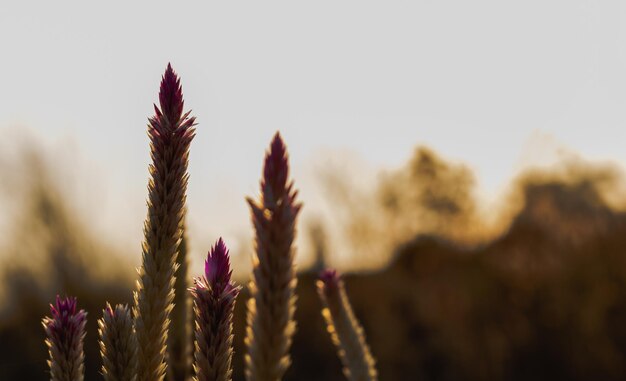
170, 133
214, 297
118, 344
271, 307
345, 330
65, 332
180, 334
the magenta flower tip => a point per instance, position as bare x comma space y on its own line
64, 309
278, 145
330, 278
276, 166
217, 265
171, 95
65, 332
63, 306
66, 320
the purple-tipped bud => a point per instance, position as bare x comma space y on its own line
171, 95
330, 278
275, 171
214, 297
217, 267
171, 133
169, 119
344, 328
65, 332
272, 304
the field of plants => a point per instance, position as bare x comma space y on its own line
539, 294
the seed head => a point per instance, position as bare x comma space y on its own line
65, 331
214, 297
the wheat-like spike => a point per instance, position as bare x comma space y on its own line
65, 332
180, 345
271, 307
170, 133
118, 344
214, 297
345, 330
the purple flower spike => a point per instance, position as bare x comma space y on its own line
275, 171
217, 267
65, 332
171, 95
171, 132
169, 119
64, 308
272, 302
214, 302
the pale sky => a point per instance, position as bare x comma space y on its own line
479, 81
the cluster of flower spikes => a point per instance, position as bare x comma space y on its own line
134, 344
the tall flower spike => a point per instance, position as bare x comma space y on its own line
180, 334
65, 332
214, 297
171, 133
345, 330
270, 323
118, 344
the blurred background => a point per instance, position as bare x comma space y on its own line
461, 162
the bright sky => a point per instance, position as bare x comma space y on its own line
479, 81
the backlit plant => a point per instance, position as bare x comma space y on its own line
153, 340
